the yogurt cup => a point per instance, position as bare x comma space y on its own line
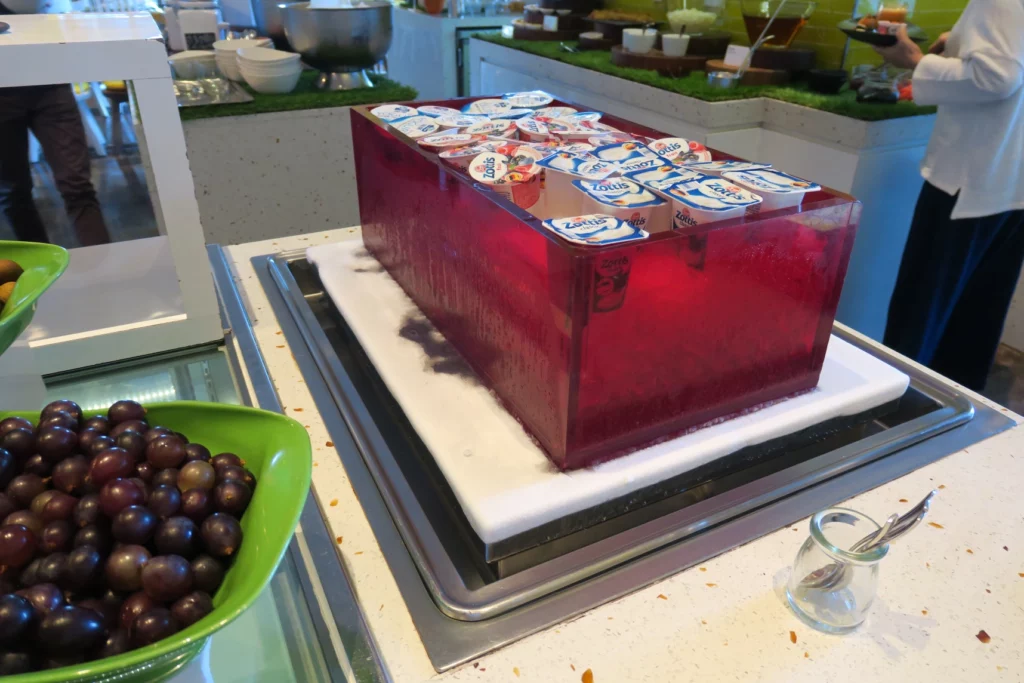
487, 107
533, 99
662, 177
778, 190
626, 200
576, 117
674, 149
513, 114
623, 152
435, 111
532, 130
642, 164
705, 201
460, 157
393, 112
416, 126
600, 140
595, 230
441, 141
720, 167
458, 121
492, 129
576, 148
560, 170
555, 112
519, 184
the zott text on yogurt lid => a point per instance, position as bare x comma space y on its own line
671, 148
641, 164
555, 112
434, 111
446, 140
622, 152
393, 112
533, 99
487, 107
489, 167
514, 179
493, 129
662, 177
595, 230
720, 167
619, 192
457, 120
417, 126
769, 181
581, 167
532, 130
712, 194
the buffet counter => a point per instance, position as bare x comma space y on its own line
955, 579
845, 145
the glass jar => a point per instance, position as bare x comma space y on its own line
899, 11
788, 21
831, 588
698, 16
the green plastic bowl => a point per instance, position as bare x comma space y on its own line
277, 450
43, 264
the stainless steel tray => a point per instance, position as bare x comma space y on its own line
460, 618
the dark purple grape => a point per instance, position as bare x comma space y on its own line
51, 568
124, 567
134, 443
145, 472
230, 473
113, 463
197, 475
118, 494
7, 505
70, 473
19, 442
225, 460
70, 630
24, 487
207, 574
86, 439
138, 426
45, 597
37, 465
60, 506
191, 608
87, 511
165, 452
167, 477
221, 534
177, 536
38, 503
134, 605
30, 574
197, 451
26, 519
56, 443
109, 610
17, 545
10, 423
15, 663
181, 436
151, 626
142, 486
117, 643
16, 617
83, 568
59, 419
155, 433
95, 536
56, 537
197, 505
98, 423
123, 411
100, 444
165, 501
166, 578
62, 405
232, 497
8, 467
134, 525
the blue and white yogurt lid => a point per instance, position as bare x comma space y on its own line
712, 194
434, 111
595, 230
663, 176
393, 112
487, 107
724, 166
416, 126
771, 182
582, 167
532, 99
555, 112
622, 152
618, 192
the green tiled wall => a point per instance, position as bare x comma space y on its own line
820, 33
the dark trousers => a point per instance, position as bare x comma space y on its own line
51, 113
954, 288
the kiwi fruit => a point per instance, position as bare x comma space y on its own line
9, 271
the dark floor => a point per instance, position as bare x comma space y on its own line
1006, 379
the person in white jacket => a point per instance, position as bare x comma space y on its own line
966, 244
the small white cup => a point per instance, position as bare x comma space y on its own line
674, 45
639, 40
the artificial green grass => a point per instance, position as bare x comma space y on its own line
305, 96
695, 85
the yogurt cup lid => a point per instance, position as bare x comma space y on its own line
619, 152
416, 126
671, 148
663, 176
581, 167
532, 126
458, 120
487, 107
592, 116
521, 157
469, 150
640, 164
712, 194
618, 192
602, 139
595, 230
450, 140
434, 111
555, 112
513, 114
729, 165
488, 168
393, 112
529, 100
768, 181
490, 128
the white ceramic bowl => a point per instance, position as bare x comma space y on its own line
639, 40
193, 64
227, 64
272, 84
675, 45
232, 46
265, 55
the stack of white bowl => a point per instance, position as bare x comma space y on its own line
269, 71
226, 52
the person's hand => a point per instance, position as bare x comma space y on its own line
905, 54
939, 46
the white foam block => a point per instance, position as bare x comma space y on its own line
504, 482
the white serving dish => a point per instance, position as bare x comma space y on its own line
271, 84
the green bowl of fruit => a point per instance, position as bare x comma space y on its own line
129, 536
27, 270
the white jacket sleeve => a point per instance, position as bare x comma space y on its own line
990, 66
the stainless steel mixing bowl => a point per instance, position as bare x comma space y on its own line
341, 42
268, 21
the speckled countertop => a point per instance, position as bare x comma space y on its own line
725, 620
